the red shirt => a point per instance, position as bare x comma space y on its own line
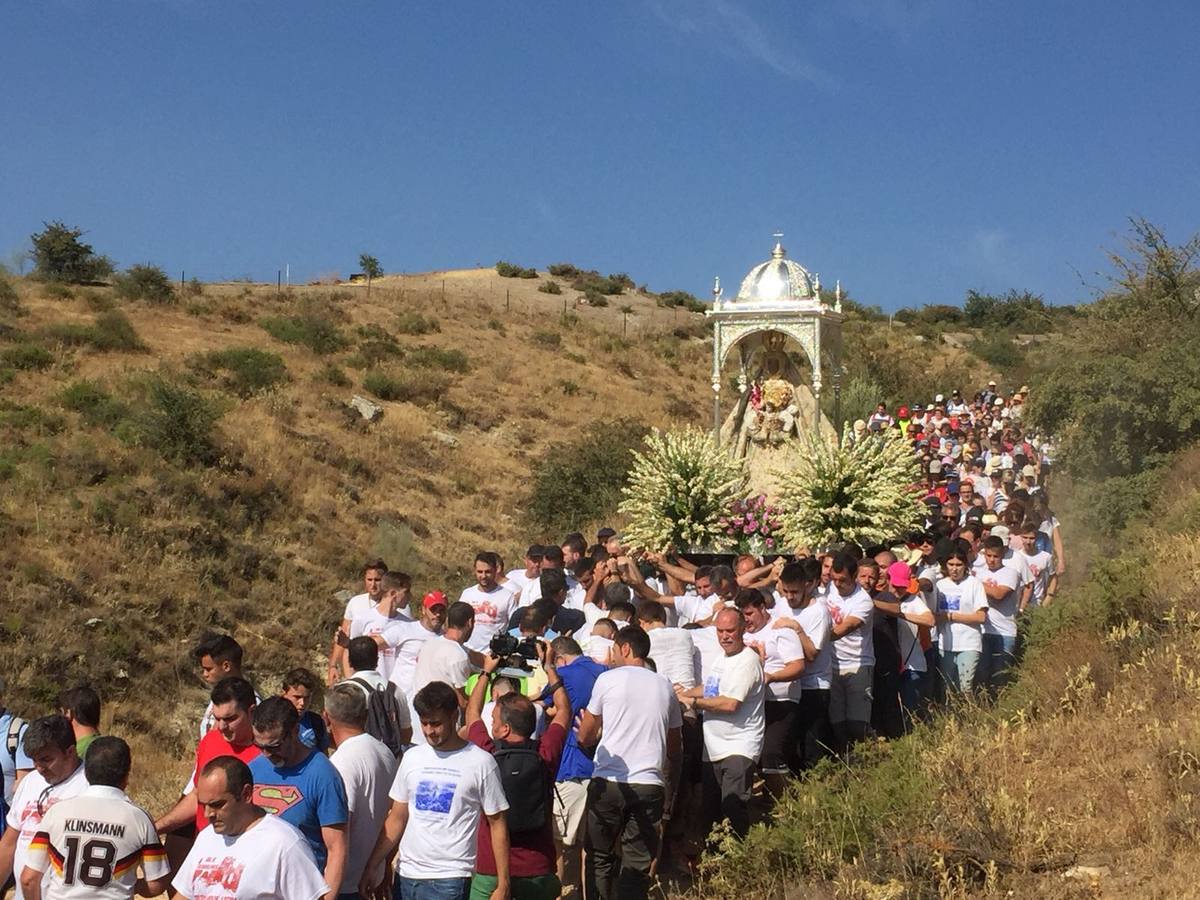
211, 746
532, 852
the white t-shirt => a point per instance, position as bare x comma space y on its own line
406, 639
739, 733
1041, 567
373, 622
445, 792
674, 653
367, 768
912, 657
708, 651
817, 625
100, 824
26, 817
857, 648
1002, 617
357, 605
441, 659
492, 611
269, 861
694, 608
517, 581
781, 646
637, 707
598, 648
965, 596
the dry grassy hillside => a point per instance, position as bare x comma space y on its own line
130, 525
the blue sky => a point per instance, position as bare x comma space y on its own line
914, 150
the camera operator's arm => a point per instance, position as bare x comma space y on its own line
558, 693
479, 692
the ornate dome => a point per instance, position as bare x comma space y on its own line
779, 280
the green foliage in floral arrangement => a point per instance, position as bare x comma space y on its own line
680, 487
864, 491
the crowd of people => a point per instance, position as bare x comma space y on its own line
577, 724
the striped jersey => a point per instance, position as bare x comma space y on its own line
93, 844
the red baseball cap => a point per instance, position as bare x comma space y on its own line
432, 599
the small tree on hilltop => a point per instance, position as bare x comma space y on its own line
59, 255
371, 268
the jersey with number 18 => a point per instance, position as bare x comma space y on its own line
94, 843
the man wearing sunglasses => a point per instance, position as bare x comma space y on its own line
300, 785
57, 775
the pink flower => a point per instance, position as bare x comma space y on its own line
770, 543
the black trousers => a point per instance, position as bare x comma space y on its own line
727, 787
621, 837
814, 736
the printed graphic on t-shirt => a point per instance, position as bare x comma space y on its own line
435, 796
949, 604
276, 798
224, 873
712, 686
835, 613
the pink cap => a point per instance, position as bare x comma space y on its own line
899, 574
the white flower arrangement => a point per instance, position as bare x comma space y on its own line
679, 488
866, 491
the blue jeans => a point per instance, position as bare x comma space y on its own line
999, 654
958, 669
431, 888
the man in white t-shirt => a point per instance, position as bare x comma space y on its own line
439, 792
633, 720
672, 649
517, 580
809, 619
373, 573
243, 853
97, 840
445, 659
1041, 567
783, 664
407, 638
367, 768
731, 701
392, 608
1002, 585
57, 775
493, 603
363, 656
851, 609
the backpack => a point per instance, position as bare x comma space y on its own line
383, 715
13, 739
523, 775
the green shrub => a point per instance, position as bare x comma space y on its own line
551, 340
612, 285
194, 287
26, 356
111, 331
98, 301
437, 358
550, 287
94, 404
59, 255
311, 329
6, 376
248, 370
511, 270
681, 298
176, 421
372, 353
57, 290
420, 388
333, 374
595, 298
998, 350
564, 270
415, 323
9, 300
145, 282
579, 481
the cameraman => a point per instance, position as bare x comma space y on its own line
527, 770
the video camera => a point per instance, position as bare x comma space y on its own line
514, 652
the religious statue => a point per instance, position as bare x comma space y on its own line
775, 409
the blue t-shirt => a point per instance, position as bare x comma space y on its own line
313, 732
578, 678
309, 795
